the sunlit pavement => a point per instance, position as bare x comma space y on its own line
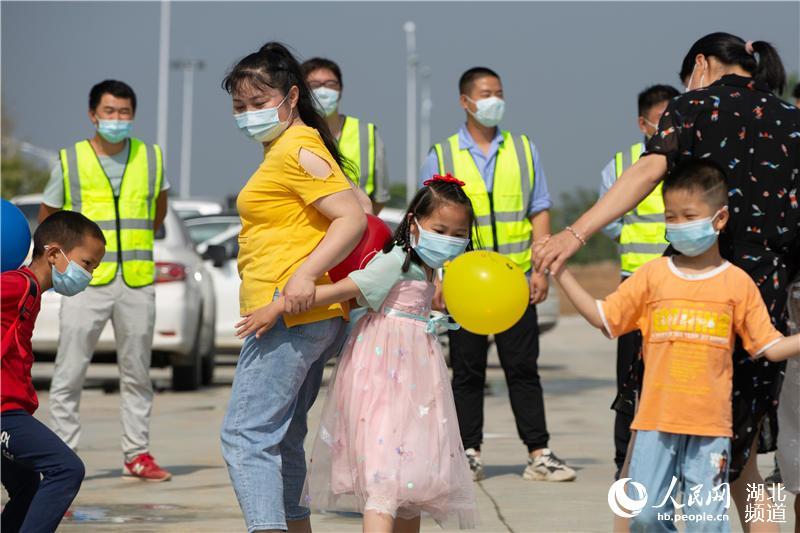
577, 367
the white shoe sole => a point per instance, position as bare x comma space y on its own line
533, 475
131, 477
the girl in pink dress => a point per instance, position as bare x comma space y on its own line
388, 445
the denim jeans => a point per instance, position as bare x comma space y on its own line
41, 474
700, 467
276, 382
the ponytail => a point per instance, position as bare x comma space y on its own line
763, 63
275, 67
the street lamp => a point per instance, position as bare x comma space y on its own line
188, 66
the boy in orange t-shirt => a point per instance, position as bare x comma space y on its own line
689, 307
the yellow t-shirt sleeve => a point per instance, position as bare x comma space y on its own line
311, 188
752, 321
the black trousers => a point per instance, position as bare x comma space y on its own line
628, 348
518, 349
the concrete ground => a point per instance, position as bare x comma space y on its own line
577, 368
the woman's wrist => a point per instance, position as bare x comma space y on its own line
577, 234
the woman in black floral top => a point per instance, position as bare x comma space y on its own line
730, 115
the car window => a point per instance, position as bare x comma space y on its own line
205, 231
186, 213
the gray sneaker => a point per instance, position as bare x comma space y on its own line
475, 464
547, 467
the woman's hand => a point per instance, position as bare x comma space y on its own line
259, 321
299, 294
551, 255
539, 286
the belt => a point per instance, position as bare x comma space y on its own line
430, 323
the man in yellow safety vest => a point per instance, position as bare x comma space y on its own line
359, 141
641, 237
505, 181
118, 182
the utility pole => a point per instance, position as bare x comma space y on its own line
163, 76
411, 109
188, 66
426, 108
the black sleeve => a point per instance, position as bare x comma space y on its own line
675, 134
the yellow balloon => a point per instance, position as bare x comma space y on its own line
485, 292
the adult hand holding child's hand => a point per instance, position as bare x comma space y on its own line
299, 293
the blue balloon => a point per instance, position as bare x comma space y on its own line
15, 236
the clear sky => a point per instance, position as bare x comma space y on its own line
571, 71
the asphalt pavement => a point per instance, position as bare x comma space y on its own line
577, 369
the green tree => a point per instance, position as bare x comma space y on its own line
19, 175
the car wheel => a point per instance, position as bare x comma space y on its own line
189, 377
208, 362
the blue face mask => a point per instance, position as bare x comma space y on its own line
73, 280
693, 238
326, 101
263, 125
114, 131
435, 250
489, 111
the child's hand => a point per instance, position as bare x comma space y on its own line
261, 320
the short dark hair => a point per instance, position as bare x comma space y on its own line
68, 229
654, 95
796, 91
316, 63
700, 175
466, 80
120, 89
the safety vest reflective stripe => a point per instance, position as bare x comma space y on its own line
642, 237
502, 216
357, 145
126, 218
643, 248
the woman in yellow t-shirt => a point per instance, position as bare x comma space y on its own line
300, 217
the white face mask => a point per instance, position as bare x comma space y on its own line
489, 111
326, 101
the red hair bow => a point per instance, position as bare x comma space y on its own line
448, 178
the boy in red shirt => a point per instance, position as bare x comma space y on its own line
39, 471
690, 308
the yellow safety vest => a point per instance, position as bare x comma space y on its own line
643, 229
502, 216
127, 219
357, 144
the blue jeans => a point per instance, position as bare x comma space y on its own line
699, 464
41, 474
276, 382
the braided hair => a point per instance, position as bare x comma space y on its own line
437, 191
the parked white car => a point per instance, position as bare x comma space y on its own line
185, 307
191, 208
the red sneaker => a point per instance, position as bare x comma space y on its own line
144, 467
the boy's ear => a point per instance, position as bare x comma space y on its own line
722, 219
52, 251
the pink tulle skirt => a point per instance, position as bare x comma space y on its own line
389, 439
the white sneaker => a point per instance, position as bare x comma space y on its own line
475, 464
548, 467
